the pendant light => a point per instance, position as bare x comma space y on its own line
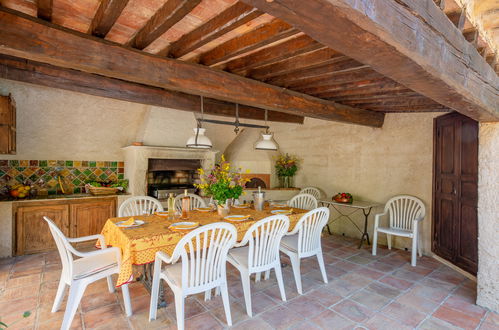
267, 142
198, 140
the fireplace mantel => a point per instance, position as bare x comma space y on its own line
136, 162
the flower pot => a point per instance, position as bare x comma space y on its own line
223, 210
286, 181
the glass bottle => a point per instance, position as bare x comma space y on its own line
186, 205
171, 207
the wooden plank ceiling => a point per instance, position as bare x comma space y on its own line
232, 36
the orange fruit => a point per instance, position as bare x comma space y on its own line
14, 193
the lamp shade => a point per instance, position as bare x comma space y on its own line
266, 143
199, 140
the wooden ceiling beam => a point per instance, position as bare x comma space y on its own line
302, 61
441, 65
77, 81
27, 37
380, 94
287, 49
231, 18
331, 78
44, 9
105, 17
263, 35
345, 86
167, 16
377, 87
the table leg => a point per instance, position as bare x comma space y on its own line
146, 280
365, 233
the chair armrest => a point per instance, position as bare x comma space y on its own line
377, 217
114, 250
165, 257
99, 237
418, 219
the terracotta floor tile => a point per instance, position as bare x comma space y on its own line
492, 318
96, 300
360, 260
192, 307
214, 302
465, 293
274, 292
381, 322
347, 266
433, 323
343, 288
408, 275
18, 307
353, 310
326, 319
56, 323
238, 313
281, 317
261, 302
109, 316
454, 278
305, 325
383, 290
488, 326
305, 306
396, 282
334, 272
316, 275
417, 302
356, 279
330, 259
456, 317
465, 307
370, 299
20, 293
23, 281
324, 296
17, 321
369, 273
382, 267
254, 323
163, 320
404, 314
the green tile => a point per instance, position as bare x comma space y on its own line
47, 177
76, 190
114, 169
2, 173
61, 163
92, 164
76, 182
69, 163
42, 163
20, 169
87, 172
121, 176
114, 164
76, 172
34, 178
13, 162
52, 191
103, 176
20, 178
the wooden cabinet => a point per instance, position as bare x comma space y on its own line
7, 125
75, 218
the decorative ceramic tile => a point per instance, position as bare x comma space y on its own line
75, 172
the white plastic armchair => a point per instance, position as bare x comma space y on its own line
312, 191
139, 205
303, 201
404, 212
259, 252
305, 241
79, 273
203, 256
196, 201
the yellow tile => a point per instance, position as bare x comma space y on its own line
52, 183
24, 163
77, 163
52, 162
101, 164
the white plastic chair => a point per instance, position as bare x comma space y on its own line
303, 201
78, 273
312, 191
305, 241
261, 253
203, 254
196, 201
404, 212
139, 205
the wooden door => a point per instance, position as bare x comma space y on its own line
7, 125
32, 232
88, 218
455, 196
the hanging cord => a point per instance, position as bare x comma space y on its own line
267, 126
236, 123
199, 121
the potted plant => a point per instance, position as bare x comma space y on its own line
286, 167
223, 183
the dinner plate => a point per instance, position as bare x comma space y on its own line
136, 224
184, 225
203, 209
237, 217
241, 206
278, 205
286, 212
162, 214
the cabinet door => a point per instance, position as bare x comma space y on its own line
33, 233
88, 218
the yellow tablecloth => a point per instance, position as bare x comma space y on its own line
139, 245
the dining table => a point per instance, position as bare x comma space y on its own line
139, 244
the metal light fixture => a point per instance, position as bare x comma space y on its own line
267, 142
198, 140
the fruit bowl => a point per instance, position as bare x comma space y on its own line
346, 198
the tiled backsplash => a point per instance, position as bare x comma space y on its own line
75, 172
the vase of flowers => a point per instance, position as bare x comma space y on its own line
223, 183
286, 167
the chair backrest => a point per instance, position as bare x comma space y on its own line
203, 252
403, 209
264, 240
139, 205
312, 191
196, 201
303, 201
310, 228
64, 248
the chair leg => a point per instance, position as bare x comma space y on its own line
225, 299
59, 296
267, 275
217, 291
207, 295
414, 251
295, 264
153, 306
76, 291
320, 259
126, 299
389, 241
110, 284
375, 241
280, 282
179, 310
245, 279
258, 276
420, 249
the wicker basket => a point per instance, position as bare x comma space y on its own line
102, 190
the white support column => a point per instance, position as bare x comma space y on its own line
488, 216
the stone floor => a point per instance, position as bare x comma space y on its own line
364, 292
